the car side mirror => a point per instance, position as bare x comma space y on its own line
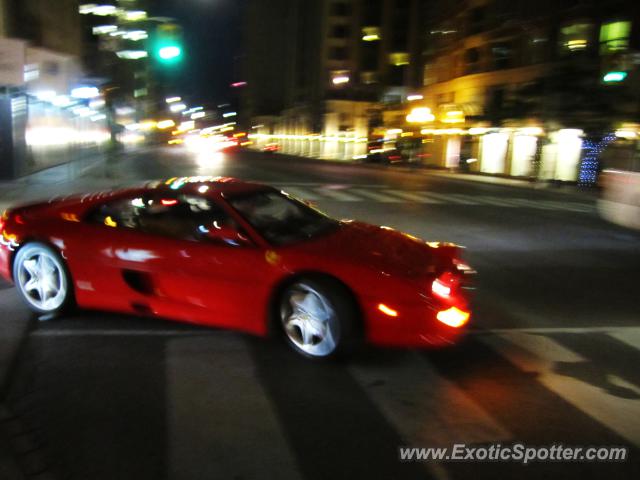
227, 235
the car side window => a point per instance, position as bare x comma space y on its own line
185, 217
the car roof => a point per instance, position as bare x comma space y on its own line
194, 184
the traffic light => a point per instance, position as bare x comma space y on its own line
614, 76
168, 44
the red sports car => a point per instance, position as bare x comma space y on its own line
228, 253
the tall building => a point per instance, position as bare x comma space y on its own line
34, 21
321, 67
43, 120
529, 88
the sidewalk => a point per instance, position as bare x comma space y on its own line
20, 457
59, 180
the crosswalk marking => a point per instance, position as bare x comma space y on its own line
338, 195
217, 401
219, 414
378, 196
497, 202
542, 355
630, 337
426, 408
417, 197
448, 198
302, 193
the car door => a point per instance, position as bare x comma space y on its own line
155, 257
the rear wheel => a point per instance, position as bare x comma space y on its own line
318, 318
42, 279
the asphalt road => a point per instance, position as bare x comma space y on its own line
552, 357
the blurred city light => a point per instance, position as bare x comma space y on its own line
177, 107
135, 35
134, 15
132, 54
85, 92
340, 80
413, 98
46, 95
173, 99
229, 114
167, 53
104, 29
62, 101
100, 10
612, 77
454, 116
165, 124
371, 34
420, 115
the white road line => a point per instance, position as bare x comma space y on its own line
114, 332
460, 198
425, 408
498, 202
570, 206
302, 193
416, 197
377, 196
629, 335
221, 423
339, 195
447, 198
631, 338
525, 203
541, 355
607, 329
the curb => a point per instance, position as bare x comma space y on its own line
499, 181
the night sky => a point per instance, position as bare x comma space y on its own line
213, 36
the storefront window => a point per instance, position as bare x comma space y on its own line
614, 37
575, 38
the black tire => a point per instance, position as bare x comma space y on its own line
54, 291
341, 326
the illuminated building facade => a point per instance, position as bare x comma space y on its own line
318, 70
45, 117
529, 89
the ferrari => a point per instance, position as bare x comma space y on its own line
226, 253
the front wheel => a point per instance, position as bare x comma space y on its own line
318, 318
42, 279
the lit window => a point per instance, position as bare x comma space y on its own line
370, 34
575, 38
340, 77
399, 59
614, 37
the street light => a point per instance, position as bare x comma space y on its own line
420, 115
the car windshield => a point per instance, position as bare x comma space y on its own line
280, 219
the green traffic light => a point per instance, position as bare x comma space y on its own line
612, 77
167, 44
170, 52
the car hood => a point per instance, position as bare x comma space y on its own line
382, 248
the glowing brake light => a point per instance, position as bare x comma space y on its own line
169, 202
387, 311
453, 317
